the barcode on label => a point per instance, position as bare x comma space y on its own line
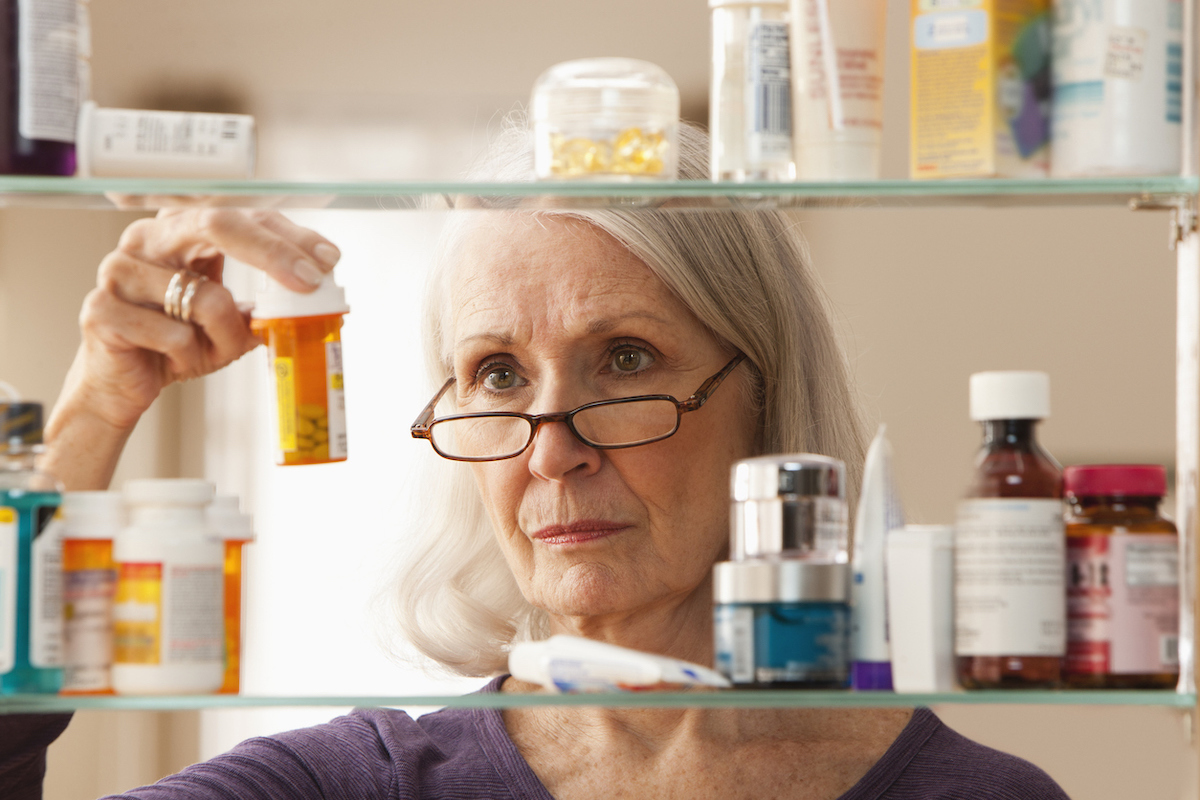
1168, 647
773, 109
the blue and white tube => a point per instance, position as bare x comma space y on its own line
879, 511
573, 664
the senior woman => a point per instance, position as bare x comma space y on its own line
551, 525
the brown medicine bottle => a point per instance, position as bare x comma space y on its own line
1009, 560
1122, 579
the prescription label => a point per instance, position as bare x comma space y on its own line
1122, 604
284, 376
1009, 565
46, 588
335, 393
47, 70
8, 588
137, 614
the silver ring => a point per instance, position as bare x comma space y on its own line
171, 304
185, 304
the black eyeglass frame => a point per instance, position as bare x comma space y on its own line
423, 427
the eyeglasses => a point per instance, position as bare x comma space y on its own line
605, 424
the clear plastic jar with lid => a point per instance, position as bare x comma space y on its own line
605, 118
1123, 579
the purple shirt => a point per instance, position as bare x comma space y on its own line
465, 754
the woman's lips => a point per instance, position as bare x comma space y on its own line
578, 532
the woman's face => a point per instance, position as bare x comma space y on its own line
547, 315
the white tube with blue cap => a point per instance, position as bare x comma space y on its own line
879, 511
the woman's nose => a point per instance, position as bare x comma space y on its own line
556, 453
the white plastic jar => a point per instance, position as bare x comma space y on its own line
91, 522
168, 616
606, 119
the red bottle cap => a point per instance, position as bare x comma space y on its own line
1128, 480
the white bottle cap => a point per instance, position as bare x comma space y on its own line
1010, 395
227, 520
92, 515
278, 302
168, 492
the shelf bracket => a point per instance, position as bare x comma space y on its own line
1183, 214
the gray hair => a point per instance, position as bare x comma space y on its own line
745, 275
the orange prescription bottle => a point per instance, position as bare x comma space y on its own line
304, 348
90, 522
235, 529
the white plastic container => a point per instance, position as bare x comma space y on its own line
605, 119
750, 103
1118, 88
837, 88
920, 593
91, 522
169, 634
132, 143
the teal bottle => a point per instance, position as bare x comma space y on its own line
31, 617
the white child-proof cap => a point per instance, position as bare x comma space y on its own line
168, 492
92, 515
278, 302
1010, 395
227, 521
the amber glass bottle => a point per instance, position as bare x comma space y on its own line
1122, 581
1010, 608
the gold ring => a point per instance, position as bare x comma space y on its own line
185, 303
171, 300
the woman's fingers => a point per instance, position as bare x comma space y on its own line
296, 257
214, 312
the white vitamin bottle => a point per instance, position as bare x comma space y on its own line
168, 615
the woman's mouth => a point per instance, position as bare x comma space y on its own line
578, 532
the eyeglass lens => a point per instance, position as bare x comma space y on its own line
605, 425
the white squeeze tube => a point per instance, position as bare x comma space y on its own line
837, 88
573, 664
879, 511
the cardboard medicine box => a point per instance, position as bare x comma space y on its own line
980, 99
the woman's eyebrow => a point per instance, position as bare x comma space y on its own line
605, 325
500, 339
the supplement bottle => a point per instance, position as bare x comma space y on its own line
91, 521
234, 529
750, 102
1009, 560
168, 617
1122, 580
39, 76
31, 623
304, 350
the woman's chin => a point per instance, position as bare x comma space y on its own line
587, 590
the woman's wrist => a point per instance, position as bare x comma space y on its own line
82, 447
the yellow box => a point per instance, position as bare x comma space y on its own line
980, 100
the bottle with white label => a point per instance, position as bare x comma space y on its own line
40, 79
304, 348
31, 622
750, 102
1009, 550
168, 617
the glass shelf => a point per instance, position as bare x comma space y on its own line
137, 193
700, 699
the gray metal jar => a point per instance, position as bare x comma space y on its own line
790, 506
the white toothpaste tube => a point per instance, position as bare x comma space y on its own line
879, 511
573, 664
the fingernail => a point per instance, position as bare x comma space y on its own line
308, 272
327, 254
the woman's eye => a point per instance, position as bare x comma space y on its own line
500, 378
629, 360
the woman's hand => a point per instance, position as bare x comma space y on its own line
132, 349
